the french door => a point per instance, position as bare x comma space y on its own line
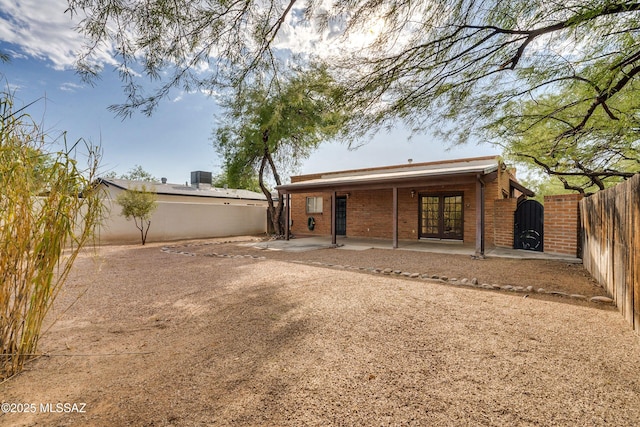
441, 216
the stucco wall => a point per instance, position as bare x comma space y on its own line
184, 217
176, 220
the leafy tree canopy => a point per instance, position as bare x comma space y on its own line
268, 129
136, 173
554, 83
192, 45
565, 71
541, 133
138, 202
247, 182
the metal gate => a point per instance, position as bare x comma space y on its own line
528, 230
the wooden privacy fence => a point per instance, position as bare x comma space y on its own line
611, 244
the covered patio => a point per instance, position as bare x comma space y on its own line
442, 202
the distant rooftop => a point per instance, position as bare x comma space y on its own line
186, 190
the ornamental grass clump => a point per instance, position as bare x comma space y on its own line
48, 211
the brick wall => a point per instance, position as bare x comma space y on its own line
370, 213
503, 222
562, 224
299, 215
492, 191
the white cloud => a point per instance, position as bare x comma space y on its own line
42, 29
14, 54
12, 87
307, 37
304, 36
70, 87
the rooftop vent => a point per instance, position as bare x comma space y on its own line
164, 180
201, 180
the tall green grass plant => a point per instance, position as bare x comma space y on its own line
48, 211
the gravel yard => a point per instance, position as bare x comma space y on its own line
223, 334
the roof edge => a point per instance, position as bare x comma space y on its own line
397, 177
521, 188
397, 166
157, 187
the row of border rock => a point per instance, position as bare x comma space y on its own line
464, 282
473, 282
175, 249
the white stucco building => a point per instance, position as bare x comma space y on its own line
185, 211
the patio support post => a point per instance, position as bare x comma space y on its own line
287, 216
333, 218
395, 217
479, 217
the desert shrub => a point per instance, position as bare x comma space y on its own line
48, 211
138, 203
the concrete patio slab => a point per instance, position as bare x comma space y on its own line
303, 244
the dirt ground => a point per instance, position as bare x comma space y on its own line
230, 335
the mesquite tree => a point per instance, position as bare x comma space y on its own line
468, 68
268, 129
554, 83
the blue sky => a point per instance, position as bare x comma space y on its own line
176, 139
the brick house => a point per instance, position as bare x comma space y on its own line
467, 200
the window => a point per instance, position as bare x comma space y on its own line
314, 205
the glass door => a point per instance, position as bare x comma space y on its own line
441, 216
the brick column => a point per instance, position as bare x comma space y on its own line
562, 224
503, 215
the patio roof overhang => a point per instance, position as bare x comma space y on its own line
376, 180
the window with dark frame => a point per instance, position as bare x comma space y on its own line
314, 205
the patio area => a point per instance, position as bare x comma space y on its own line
303, 244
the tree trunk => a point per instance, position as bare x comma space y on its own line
280, 217
274, 212
144, 237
